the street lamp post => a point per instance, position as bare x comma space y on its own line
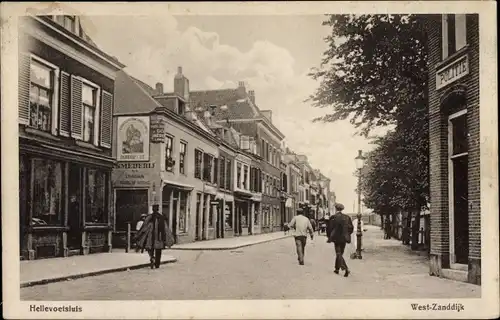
359, 165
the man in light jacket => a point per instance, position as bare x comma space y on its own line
301, 225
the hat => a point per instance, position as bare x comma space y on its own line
144, 215
339, 206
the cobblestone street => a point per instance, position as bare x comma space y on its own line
268, 271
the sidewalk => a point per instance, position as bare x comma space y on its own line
232, 243
36, 272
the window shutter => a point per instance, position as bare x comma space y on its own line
24, 83
76, 108
65, 105
106, 119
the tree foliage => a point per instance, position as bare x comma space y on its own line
374, 74
374, 70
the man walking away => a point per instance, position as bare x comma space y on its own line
154, 236
302, 226
339, 232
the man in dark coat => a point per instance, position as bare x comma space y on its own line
154, 236
339, 232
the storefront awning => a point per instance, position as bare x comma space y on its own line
178, 185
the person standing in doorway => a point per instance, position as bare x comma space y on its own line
301, 225
339, 232
154, 236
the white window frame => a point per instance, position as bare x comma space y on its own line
451, 206
246, 177
460, 33
164, 157
97, 115
55, 94
181, 142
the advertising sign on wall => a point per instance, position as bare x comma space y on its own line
133, 139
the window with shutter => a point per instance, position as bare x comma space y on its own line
41, 96
76, 108
106, 119
65, 105
89, 101
24, 88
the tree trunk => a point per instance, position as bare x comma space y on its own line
415, 231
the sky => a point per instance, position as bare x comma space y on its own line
271, 54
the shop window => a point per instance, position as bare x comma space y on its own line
183, 198
169, 145
454, 33
41, 95
256, 215
89, 100
228, 216
96, 199
182, 157
47, 192
198, 159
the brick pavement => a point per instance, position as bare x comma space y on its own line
269, 271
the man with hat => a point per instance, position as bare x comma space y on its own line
339, 232
301, 225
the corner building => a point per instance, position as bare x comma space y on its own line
66, 89
455, 211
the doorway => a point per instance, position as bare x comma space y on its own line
170, 204
130, 204
458, 188
75, 207
219, 224
197, 235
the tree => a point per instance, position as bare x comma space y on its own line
374, 70
374, 74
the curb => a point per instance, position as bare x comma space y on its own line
229, 247
90, 274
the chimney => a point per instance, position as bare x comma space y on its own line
268, 114
181, 84
251, 95
207, 116
241, 91
179, 73
159, 88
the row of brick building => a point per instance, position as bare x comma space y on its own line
99, 147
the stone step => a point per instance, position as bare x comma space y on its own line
457, 275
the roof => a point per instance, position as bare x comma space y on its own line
237, 107
87, 41
132, 97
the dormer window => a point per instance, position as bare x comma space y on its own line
181, 108
68, 22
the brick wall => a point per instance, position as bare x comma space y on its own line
439, 110
473, 125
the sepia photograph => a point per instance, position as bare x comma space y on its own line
299, 158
